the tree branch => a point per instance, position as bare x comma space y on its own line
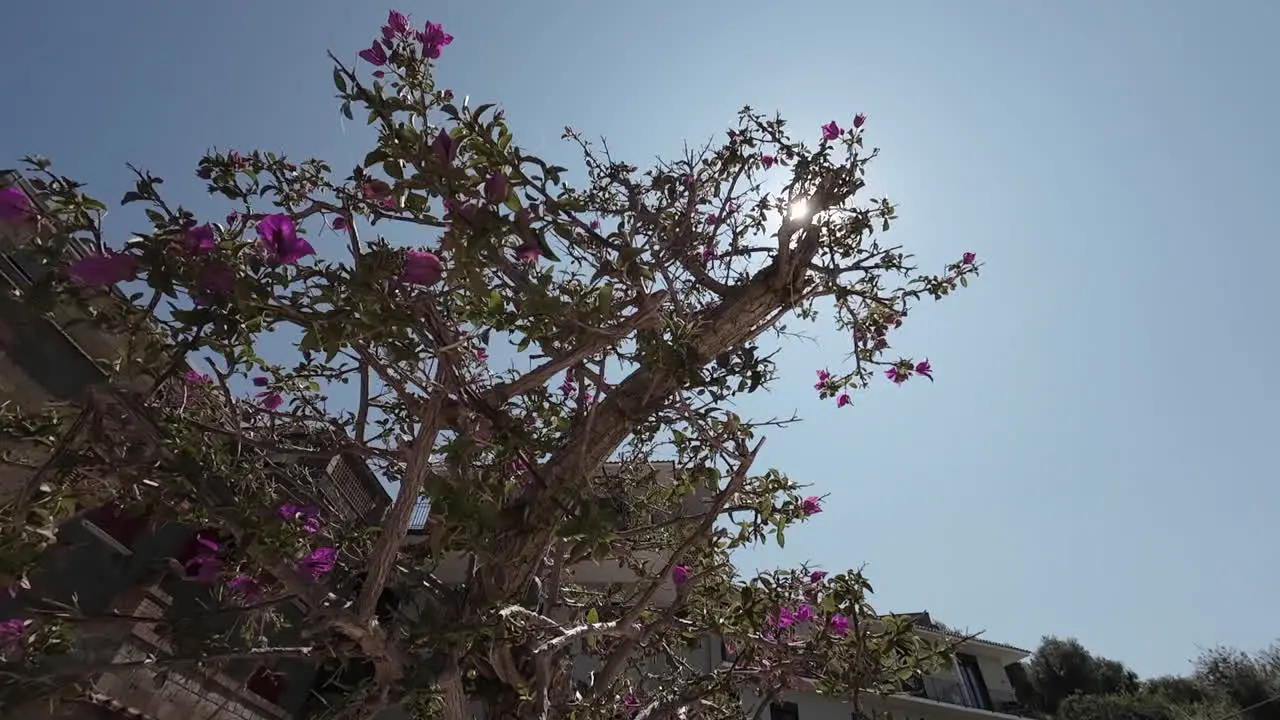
396, 526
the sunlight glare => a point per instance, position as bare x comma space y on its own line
799, 209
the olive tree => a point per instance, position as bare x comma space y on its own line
628, 307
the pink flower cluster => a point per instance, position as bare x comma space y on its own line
13, 633
826, 385
832, 130
899, 373
431, 40
270, 397
206, 563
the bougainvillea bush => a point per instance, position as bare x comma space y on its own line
628, 306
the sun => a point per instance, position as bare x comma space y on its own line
799, 209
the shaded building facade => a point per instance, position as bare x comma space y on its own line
111, 561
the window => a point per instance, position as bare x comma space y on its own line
267, 684
975, 687
784, 711
117, 524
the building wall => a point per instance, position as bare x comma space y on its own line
945, 698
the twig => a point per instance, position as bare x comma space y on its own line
613, 627
29, 488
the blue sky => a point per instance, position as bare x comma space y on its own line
1091, 460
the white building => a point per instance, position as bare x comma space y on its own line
975, 687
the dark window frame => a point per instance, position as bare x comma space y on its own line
114, 522
267, 683
783, 710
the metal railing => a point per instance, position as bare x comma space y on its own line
953, 692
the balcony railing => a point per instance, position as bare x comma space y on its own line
953, 692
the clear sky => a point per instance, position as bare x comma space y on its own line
1092, 458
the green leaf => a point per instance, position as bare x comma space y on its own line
339, 81
513, 201
393, 169
346, 110
593, 616
964, 281
782, 538
415, 202
604, 298
374, 157
131, 197
495, 301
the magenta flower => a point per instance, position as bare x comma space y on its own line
817, 576
195, 377
831, 131
445, 149
15, 205
421, 268
482, 355
339, 223
102, 270
680, 575
375, 190
897, 377
397, 23
233, 217
496, 188
839, 624
843, 400
711, 219
824, 377
859, 120
374, 55
216, 278
248, 588
305, 515
595, 224
529, 253
924, 368
281, 241
207, 563
434, 39
969, 258
804, 614
318, 563
12, 633
767, 161
812, 505
708, 253
630, 703
468, 211
270, 399
785, 618
199, 240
